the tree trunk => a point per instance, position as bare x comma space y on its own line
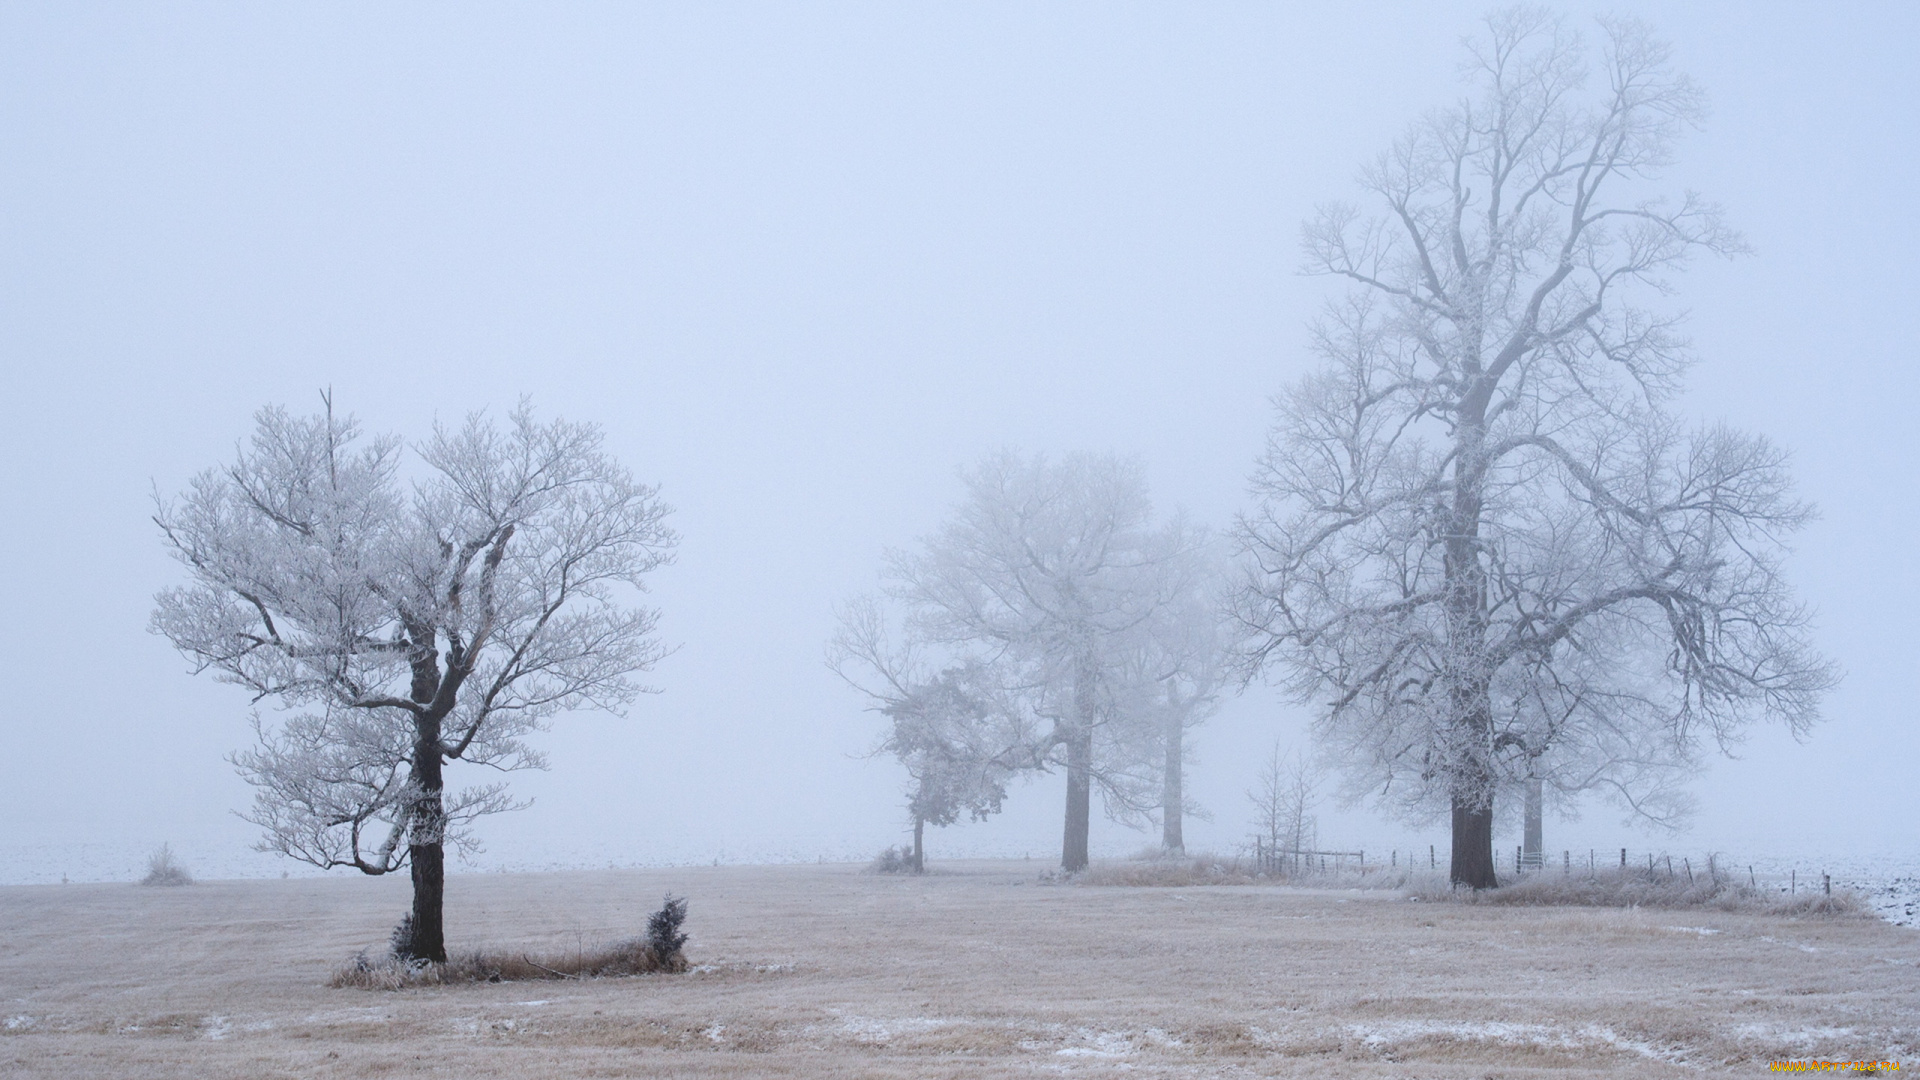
919, 844
1469, 697
429, 889
426, 850
1530, 840
1473, 843
1172, 798
1073, 846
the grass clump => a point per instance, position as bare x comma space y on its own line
660, 951
1172, 871
164, 869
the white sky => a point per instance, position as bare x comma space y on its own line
802, 262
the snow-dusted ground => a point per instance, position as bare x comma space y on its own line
1889, 883
981, 969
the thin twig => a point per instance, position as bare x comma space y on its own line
548, 970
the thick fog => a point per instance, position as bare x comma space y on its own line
803, 263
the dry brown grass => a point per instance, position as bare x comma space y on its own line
1607, 888
1633, 888
1153, 869
631, 957
975, 972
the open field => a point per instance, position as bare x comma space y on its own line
814, 971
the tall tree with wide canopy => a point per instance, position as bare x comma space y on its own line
1481, 544
400, 628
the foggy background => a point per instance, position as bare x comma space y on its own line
802, 263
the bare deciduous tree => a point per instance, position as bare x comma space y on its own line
1480, 542
1283, 805
401, 631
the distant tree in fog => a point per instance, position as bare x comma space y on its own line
1173, 675
1481, 544
1045, 585
404, 628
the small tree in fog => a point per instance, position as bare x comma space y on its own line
960, 736
404, 629
1048, 576
164, 869
1481, 543
1283, 800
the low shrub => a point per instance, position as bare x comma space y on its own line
664, 938
893, 860
164, 869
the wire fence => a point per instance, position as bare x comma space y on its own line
1272, 860
1663, 865
1713, 867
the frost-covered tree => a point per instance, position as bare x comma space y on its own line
1047, 576
398, 628
960, 735
1481, 543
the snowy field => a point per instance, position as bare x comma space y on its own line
978, 971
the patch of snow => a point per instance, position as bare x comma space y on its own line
1779, 1033
867, 1029
215, 1028
1384, 1036
1701, 930
19, 1023
1102, 1044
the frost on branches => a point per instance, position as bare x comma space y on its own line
1481, 544
398, 627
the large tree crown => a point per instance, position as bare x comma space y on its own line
447, 614
1480, 542
1522, 221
